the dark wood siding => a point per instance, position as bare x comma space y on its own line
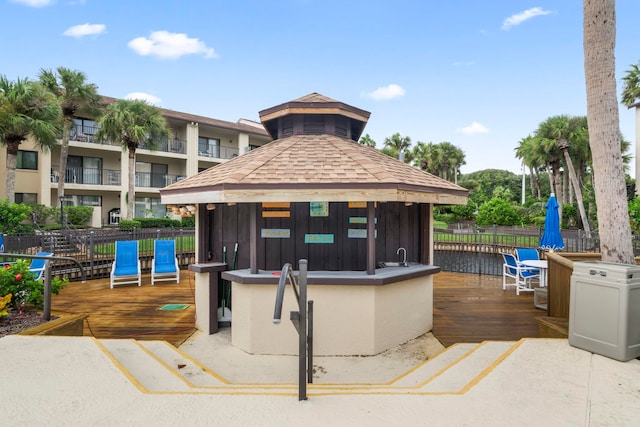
313, 125
397, 226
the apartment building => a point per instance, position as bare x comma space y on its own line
97, 172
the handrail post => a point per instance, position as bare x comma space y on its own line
302, 333
46, 312
299, 320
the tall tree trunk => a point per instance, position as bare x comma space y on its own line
532, 182
12, 156
599, 28
131, 197
578, 191
64, 153
557, 188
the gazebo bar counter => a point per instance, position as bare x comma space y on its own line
314, 193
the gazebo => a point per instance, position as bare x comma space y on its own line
314, 193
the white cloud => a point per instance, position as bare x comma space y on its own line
166, 45
474, 129
85, 30
34, 3
153, 100
519, 18
386, 92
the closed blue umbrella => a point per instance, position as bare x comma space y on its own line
551, 238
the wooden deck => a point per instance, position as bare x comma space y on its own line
467, 308
472, 308
130, 311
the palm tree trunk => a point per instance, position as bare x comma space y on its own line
578, 190
599, 28
131, 199
64, 153
12, 156
557, 188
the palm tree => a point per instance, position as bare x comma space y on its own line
132, 123
599, 28
368, 141
563, 130
529, 153
28, 110
75, 96
631, 88
395, 145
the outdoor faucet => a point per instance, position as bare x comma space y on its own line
404, 255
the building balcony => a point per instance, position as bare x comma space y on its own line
171, 145
216, 152
156, 180
93, 176
88, 176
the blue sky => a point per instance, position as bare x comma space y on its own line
479, 74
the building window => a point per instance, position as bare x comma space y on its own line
27, 160
83, 130
79, 200
209, 147
27, 198
84, 170
151, 174
149, 207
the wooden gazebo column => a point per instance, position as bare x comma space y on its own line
371, 238
253, 239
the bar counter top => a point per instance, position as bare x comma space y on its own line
382, 276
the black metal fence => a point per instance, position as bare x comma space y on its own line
460, 249
95, 249
465, 249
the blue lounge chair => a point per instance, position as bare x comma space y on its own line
523, 276
164, 266
126, 267
38, 265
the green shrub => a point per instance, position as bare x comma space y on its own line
42, 214
634, 215
17, 280
12, 217
499, 212
189, 221
129, 224
158, 222
79, 216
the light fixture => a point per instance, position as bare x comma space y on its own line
211, 207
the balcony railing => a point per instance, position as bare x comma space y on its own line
171, 145
218, 152
156, 180
90, 176
87, 134
94, 176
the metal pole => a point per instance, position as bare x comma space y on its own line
62, 212
310, 345
302, 333
46, 312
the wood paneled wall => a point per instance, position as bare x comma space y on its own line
397, 226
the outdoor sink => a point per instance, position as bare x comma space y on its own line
392, 264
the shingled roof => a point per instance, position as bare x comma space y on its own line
304, 168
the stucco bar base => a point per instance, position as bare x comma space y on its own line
348, 320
